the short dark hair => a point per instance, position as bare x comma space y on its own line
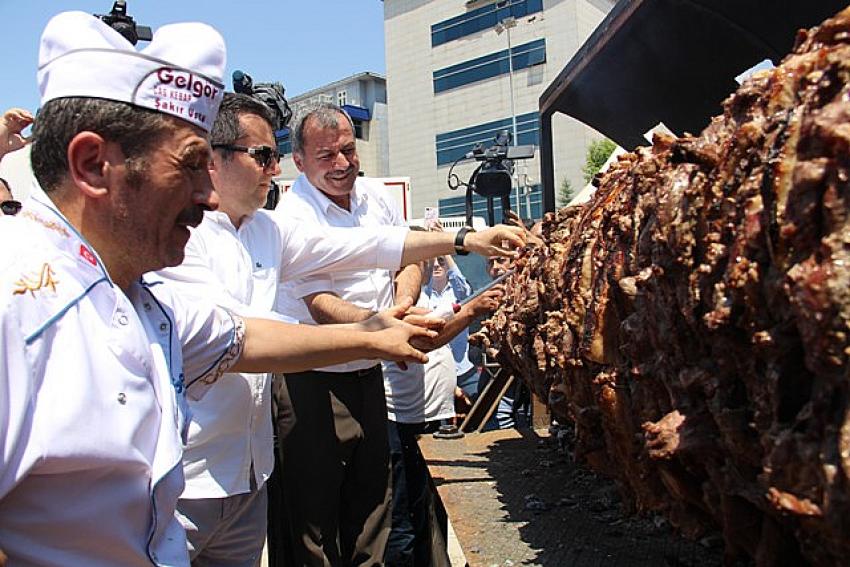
327, 115
226, 129
136, 130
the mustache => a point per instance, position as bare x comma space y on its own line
192, 216
339, 172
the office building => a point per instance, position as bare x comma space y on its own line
461, 71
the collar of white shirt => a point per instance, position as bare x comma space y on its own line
320, 200
223, 219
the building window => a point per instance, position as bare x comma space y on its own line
456, 206
284, 144
341, 98
358, 129
455, 144
481, 19
491, 65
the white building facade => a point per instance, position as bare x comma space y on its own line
455, 70
364, 97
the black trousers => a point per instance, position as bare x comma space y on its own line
417, 539
335, 466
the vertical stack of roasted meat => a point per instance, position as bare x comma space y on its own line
693, 319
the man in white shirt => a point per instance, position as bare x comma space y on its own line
333, 436
237, 257
335, 460
98, 362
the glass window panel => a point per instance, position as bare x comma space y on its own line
451, 146
481, 19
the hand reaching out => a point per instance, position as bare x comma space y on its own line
487, 302
500, 240
12, 124
401, 314
514, 220
393, 344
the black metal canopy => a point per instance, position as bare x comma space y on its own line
670, 61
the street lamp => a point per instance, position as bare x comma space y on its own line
505, 26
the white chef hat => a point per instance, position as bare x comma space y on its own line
179, 73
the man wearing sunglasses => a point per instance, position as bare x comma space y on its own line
8, 204
12, 124
236, 257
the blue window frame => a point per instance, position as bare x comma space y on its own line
456, 206
481, 19
453, 145
284, 145
490, 65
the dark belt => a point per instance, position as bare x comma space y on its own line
353, 373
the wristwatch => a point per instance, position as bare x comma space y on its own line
460, 249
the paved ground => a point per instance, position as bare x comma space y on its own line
513, 498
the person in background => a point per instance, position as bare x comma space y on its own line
446, 287
13, 122
8, 204
420, 396
505, 415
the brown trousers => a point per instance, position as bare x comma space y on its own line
335, 467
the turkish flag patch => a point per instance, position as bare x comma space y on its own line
87, 255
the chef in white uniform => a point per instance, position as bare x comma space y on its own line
96, 362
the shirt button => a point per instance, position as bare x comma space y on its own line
163, 327
122, 319
147, 306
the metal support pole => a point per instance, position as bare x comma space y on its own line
508, 23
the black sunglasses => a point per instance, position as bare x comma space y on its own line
10, 207
263, 155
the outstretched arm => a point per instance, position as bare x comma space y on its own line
499, 240
272, 346
478, 307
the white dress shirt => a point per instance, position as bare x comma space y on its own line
369, 289
423, 392
92, 411
231, 428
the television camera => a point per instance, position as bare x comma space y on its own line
493, 178
118, 20
271, 94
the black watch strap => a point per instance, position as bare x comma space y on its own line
460, 249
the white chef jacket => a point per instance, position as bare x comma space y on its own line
240, 269
369, 289
92, 409
423, 392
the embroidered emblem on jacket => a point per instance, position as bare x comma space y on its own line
32, 284
52, 225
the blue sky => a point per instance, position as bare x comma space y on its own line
301, 44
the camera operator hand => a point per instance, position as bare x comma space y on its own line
12, 124
501, 240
